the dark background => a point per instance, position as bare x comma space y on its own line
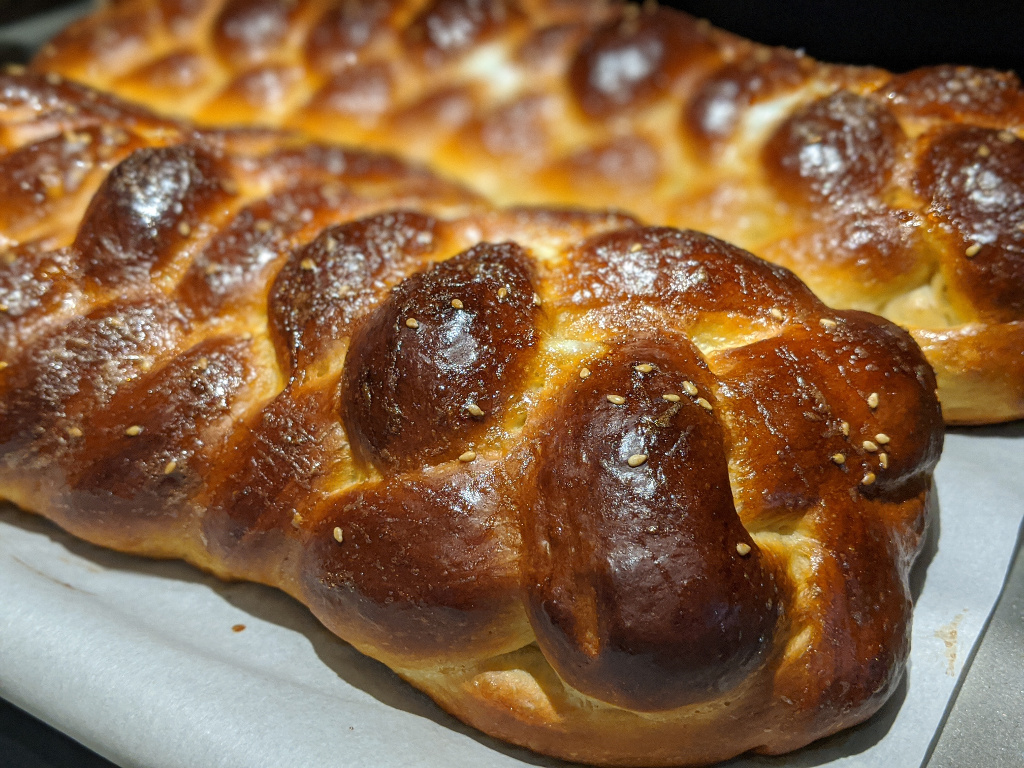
895, 34
898, 35
11, 10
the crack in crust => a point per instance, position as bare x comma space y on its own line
894, 194
618, 493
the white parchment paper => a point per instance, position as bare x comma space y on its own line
141, 660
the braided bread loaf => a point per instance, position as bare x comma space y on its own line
621, 494
900, 195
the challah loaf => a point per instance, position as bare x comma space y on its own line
620, 494
896, 194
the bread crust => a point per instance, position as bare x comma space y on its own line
895, 194
620, 494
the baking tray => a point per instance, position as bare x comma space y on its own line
154, 664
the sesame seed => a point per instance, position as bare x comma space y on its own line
474, 409
1006, 137
468, 456
263, 225
3, 364
338, 536
635, 247
307, 264
984, 151
457, 303
870, 446
617, 399
16, 69
54, 79
170, 467
869, 478
203, 363
743, 548
412, 322
671, 398
690, 388
70, 137
972, 250
133, 430
502, 292
703, 403
828, 323
116, 135
184, 229
883, 460
536, 300
873, 400
229, 186
74, 432
644, 367
776, 313
881, 438
845, 428
637, 459
838, 458
296, 520
584, 373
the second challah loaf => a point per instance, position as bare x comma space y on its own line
896, 194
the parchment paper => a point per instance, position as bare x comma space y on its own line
145, 663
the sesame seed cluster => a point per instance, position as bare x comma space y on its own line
896, 194
591, 485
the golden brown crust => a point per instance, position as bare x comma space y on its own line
896, 194
620, 494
